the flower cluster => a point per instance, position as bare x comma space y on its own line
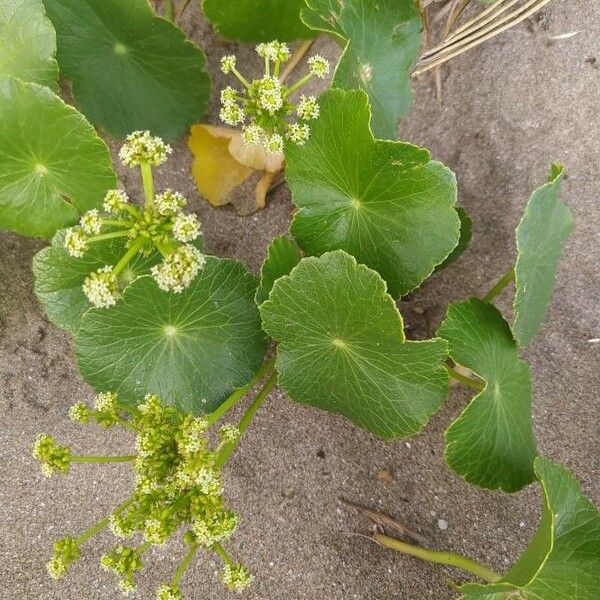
178, 484
159, 226
263, 108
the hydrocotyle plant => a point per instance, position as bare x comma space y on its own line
176, 337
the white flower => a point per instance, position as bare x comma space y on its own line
114, 201
253, 135
270, 94
79, 413
232, 114
143, 148
91, 222
179, 269
209, 482
168, 592
75, 242
268, 50
168, 203
186, 228
229, 94
298, 133
56, 567
319, 66
127, 587
274, 144
105, 402
308, 107
236, 577
101, 287
228, 63
230, 433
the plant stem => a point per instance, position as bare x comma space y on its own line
182, 10
148, 182
245, 421
435, 556
213, 417
101, 459
222, 553
169, 10
300, 83
499, 287
108, 236
185, 563
242, 79
133, 250
472, 383
100, 525
295, 59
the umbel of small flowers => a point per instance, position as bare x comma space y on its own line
263, 107
160, 225
178, 487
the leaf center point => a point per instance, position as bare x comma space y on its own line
355, 203
339, 343
120, 48
41, 169
170, 331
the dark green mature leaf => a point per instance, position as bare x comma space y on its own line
192, 349
381, 40
257, 20
53, 166
562, 562
466, 233
491, 444
282, 256
27, 42
386, 203
542, 236
59, 277
342, 347
130, 70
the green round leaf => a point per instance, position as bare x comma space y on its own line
257, 20
386, 203
542, 236
192, 349
53, 166
342, 347
282, 256
59, 276
562, 562
382, 41
491, 444
28, 43
130, 70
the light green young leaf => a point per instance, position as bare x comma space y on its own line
562, 562
381, 42
491, 444
282, 256
59, 276
130, 70
27, 43
257, 20
386, 203
342, 347
53, 166
192, 349
542, 236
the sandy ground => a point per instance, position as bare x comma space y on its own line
509, 109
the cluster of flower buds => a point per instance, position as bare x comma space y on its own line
159, 226
263, 108
178, 484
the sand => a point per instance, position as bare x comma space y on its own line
509, 109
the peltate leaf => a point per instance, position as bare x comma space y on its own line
257, 20
386, 203
282, 256
562, 562
381, 42
491, 444
53, 166
342, 347
59, 276
541, 238
27, 43
130, 70
193, 348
